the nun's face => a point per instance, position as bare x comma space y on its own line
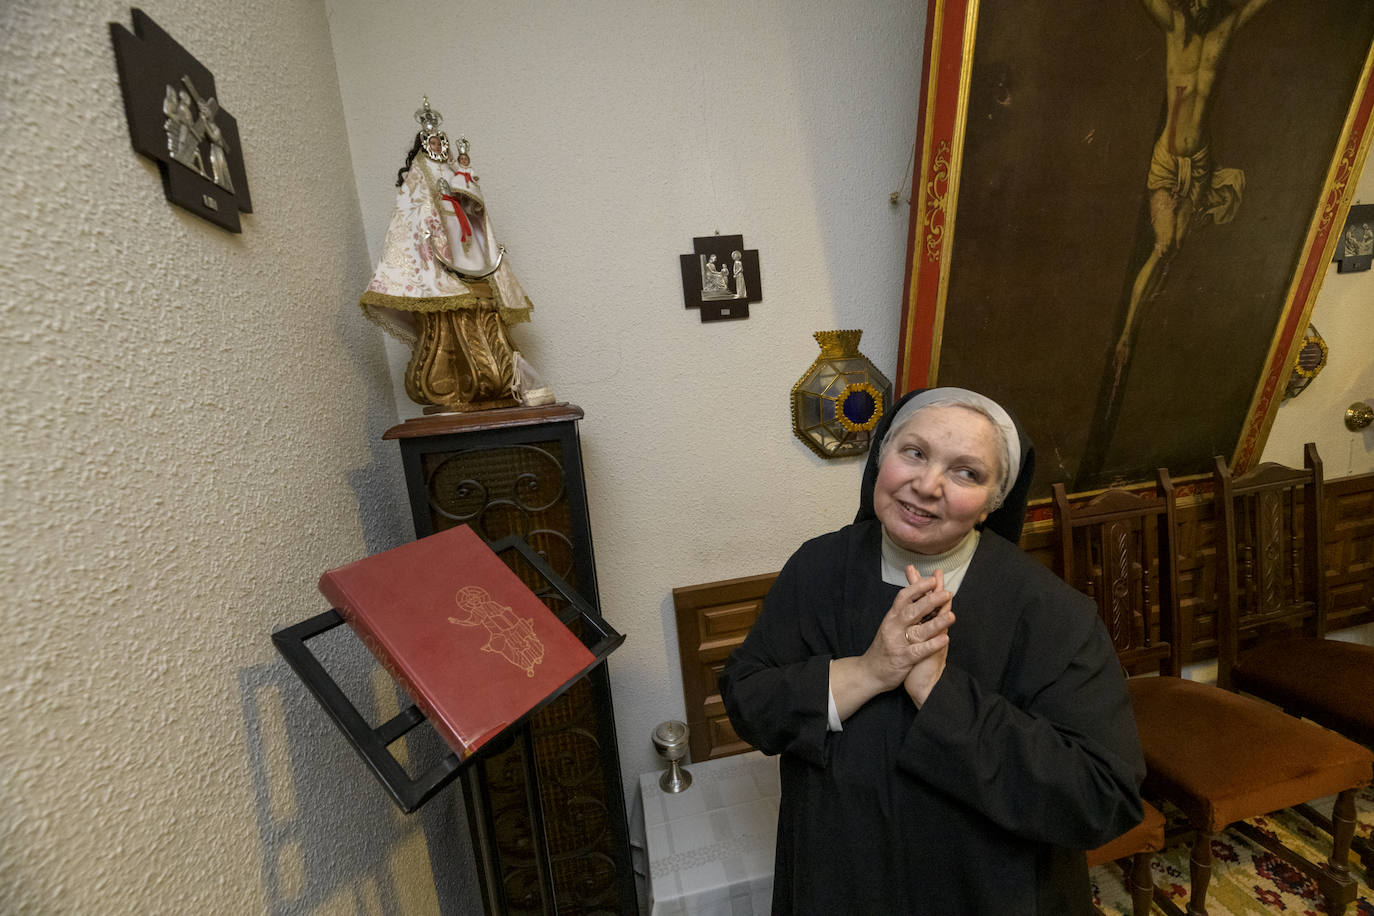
938, 478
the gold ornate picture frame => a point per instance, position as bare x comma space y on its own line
1125, 258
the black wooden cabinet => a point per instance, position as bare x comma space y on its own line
519, 471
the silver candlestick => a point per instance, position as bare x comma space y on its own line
670, 740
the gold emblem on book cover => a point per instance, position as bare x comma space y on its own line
508, 634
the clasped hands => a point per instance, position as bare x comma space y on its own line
909, 648
912, 641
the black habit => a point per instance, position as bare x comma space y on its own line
982, 802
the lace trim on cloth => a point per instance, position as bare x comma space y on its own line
734, 847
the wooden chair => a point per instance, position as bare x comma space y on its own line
1217, 756
1110, 549
1137, 847
1271, 614
1111, 555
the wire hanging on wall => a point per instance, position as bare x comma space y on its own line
903, 191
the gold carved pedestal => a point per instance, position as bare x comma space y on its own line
463, 358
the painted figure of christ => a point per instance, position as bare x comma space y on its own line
1183, 185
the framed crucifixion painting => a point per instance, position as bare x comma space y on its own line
1122, 213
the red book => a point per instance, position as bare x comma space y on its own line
468, 640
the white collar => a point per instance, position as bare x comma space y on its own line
953, 562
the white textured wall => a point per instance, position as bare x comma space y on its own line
607, 135
191, 423
1344, 315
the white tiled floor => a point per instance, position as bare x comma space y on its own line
1363, 634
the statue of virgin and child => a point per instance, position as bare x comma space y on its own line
444, 285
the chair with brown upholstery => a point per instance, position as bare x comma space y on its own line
1271, 613
1217, 756
1137, 845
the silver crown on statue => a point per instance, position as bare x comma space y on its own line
670, 740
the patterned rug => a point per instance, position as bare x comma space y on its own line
1248, 879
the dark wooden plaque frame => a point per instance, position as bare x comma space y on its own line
151, 64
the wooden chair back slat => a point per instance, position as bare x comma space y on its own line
1269, 528
1117, 548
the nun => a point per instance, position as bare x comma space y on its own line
952, 723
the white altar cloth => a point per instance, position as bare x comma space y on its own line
709, 849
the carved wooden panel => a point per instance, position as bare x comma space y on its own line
713, 619
1195, 544
1349, 547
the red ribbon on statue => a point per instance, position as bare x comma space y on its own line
467, 177
462, 218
